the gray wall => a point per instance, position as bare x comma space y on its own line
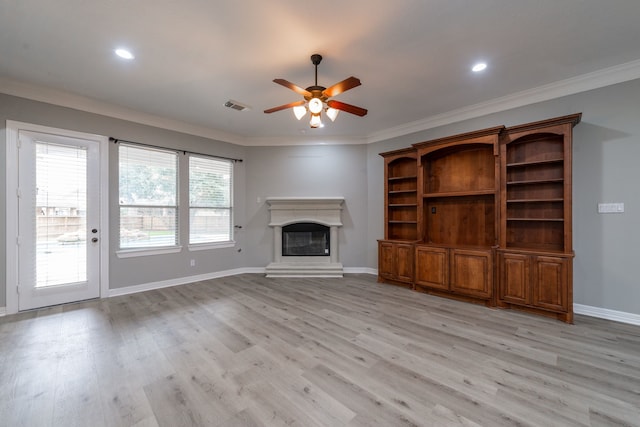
308, 171
139, 270
606, 149
606, 152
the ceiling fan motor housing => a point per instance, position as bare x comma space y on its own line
316, 92
316, 59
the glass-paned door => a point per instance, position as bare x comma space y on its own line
59, 250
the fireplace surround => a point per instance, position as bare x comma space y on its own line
318, 212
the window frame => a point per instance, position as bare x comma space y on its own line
134, 251
198, 246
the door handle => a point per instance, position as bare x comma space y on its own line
95, 239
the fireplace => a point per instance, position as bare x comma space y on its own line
305, 236
305, 239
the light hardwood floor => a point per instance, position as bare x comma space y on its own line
252, 351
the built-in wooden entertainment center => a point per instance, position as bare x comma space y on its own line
484, 217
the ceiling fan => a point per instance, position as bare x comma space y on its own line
316, 97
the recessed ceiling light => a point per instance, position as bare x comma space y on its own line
479, 67
124, 53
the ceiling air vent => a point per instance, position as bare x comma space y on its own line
236, 105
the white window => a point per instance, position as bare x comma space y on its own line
148, 197
210, 200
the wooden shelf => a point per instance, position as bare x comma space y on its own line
534, 163
536, 181
402, 178
537, 219
401, 196
556, 200
402, 191
540, 249
490, 192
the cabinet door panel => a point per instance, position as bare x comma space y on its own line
471, 272
432, 266
514, 278
404, 263
386, 260
550, 283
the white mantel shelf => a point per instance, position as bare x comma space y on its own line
322, 210
290, 210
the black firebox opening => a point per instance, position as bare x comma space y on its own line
305, 239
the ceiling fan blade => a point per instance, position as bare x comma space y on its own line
343, 86
284, 107
296, 89
347, 107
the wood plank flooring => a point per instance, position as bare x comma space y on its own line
252, 351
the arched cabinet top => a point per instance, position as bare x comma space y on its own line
558, 126
489, 136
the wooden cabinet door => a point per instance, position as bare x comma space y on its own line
550, 283
386, 262
514, 278
432, 267
471, 272
404, 262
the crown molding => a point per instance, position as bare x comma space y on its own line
89, 105
594, 80
597, 79
303, 140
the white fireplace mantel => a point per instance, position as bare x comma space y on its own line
290, 210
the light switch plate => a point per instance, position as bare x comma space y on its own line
610, 207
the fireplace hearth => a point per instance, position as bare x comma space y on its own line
305, 236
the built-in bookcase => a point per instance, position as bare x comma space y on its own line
484, 217
459, 196
458, 181
401, 177
395, 252
535, 198
536, 251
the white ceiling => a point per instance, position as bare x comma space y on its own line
412, 56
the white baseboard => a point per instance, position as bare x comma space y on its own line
360, 270
215, 275
3, 311
253, 270
181, 281
604, 313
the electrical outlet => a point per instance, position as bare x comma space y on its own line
192, 263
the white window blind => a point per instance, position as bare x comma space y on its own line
148, 180
210, 200
60, 214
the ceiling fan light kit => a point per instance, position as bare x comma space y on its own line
332, 113
315, 121
299, 111
316, 98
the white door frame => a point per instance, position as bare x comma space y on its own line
13, 128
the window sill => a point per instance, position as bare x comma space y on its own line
132, 253
207, 246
